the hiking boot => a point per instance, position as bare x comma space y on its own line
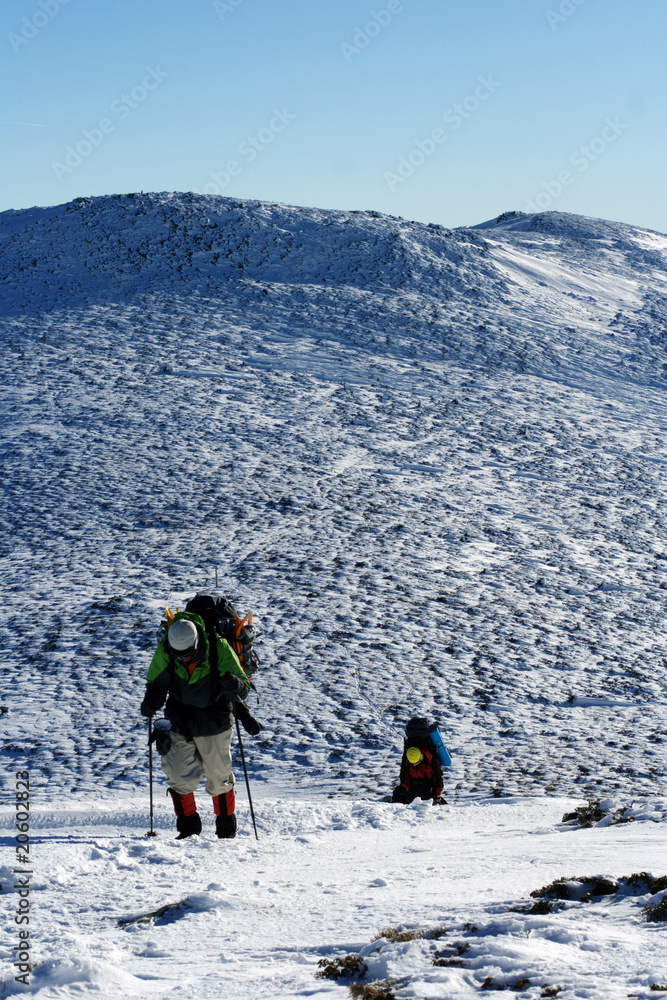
224, 806
188, 820
225, 826
188, 826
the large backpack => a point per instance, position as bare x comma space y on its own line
221, 617
417, 733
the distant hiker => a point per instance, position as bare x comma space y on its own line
421, 768
199, 675
421, 776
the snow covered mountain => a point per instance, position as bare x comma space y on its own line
431, 461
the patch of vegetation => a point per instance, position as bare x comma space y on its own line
113, 604
582, 888
593, 812
642, 882
395, 935
518, 985
550, 991
381, 989
586, 888
170, 912
347, 967
656, 913
453, 956
587, 815
539, 907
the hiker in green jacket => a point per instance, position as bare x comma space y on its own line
200, 677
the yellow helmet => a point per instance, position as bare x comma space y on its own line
414, 755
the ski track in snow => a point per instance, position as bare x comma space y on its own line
431, 461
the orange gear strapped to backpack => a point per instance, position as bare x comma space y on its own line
239, 633
241, 642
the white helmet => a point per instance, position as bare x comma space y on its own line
183, 636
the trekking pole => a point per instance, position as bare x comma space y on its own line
247, 783
151, 832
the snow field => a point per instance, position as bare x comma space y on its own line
254, 919
446, 548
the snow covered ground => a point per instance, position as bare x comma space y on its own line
432, 462
254, 919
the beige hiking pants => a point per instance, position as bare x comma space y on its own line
187, 761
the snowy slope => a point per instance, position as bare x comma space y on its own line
431, 461
421, 517
326, 879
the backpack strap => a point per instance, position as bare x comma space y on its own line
212, 637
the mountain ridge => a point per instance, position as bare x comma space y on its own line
449, 292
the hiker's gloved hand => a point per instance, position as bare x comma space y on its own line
153, 700
162, 741
233, 688
249, 723
161, 736
439, 801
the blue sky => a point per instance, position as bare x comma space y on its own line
447, 111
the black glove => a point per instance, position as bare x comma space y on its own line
439, 801
162, 741
233, 688
153, 700
250, 724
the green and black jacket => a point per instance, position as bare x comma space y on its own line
201, 704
